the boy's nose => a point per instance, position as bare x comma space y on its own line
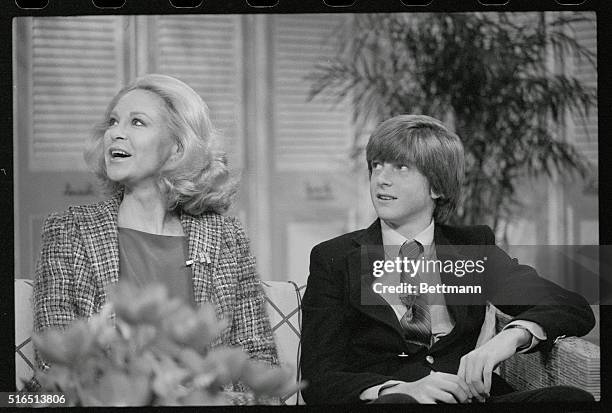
384, 176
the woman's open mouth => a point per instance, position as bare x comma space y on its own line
118, 154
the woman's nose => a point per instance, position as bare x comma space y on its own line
116, 132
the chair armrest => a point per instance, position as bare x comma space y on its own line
283, 303
571, 362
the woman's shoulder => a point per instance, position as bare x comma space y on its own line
227, 222
230, 226
96, 207
74, 213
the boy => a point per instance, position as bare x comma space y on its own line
365, 343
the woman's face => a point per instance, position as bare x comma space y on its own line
137, 142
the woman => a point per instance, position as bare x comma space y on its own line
155, 155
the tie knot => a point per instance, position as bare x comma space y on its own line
411, 249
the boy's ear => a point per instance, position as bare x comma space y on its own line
434, 194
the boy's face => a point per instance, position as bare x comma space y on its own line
401, 194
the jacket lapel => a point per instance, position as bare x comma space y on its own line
446, 250
98, 227
369, 248
204, 234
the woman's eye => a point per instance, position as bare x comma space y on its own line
137, 122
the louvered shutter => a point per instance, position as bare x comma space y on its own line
311, 134
77, 67
204, 52
584, 133
580, 132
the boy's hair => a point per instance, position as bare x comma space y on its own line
425, 143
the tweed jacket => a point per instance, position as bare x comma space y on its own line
80, 257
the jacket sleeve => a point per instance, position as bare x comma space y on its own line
519, 291
251, 328
54, 279
326, 334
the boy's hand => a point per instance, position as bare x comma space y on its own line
437, 387
477, 366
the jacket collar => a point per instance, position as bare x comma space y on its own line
371, 235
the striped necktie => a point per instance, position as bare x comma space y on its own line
416, 321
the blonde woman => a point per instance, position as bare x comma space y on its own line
167, 185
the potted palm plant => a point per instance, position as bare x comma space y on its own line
487, 74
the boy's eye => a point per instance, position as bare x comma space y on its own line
137, 122
376, 165
112, 122
403, 167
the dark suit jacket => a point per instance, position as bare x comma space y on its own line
348, 346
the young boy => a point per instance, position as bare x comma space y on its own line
365, 342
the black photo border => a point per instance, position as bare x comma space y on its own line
10, 10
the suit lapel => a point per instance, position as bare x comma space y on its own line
369, 248
446, 250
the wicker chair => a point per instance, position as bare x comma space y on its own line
572, 361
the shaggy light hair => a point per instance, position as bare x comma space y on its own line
198, 180
424, 142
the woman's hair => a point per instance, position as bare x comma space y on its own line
423, 142
198, 180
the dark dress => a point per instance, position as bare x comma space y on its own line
146, 258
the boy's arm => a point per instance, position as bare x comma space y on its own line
519, 291
542, 312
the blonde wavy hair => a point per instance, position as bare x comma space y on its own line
199, 180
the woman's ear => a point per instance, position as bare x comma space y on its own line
173, 156
177, 151
434, 194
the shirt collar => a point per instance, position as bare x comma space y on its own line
392, 237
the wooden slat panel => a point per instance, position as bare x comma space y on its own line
76, 69
585, 134
311, 134
203, 51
